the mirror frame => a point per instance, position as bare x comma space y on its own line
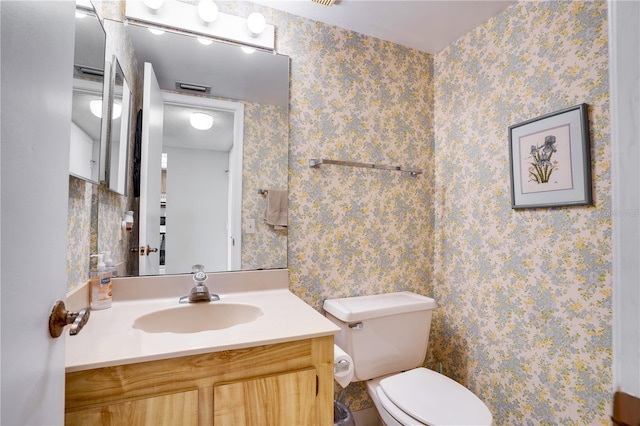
118, 138
90, 11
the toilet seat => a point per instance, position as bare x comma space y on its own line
424, 396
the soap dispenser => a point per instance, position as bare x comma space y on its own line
108, 263
100, 285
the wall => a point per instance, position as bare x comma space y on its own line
265, 156
524, 316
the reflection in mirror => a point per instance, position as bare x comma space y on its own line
88, 89
118, 146
199, 203
258, 80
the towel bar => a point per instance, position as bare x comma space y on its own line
316, 162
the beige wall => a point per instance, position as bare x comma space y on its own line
524, 317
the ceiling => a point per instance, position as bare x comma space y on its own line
425, 25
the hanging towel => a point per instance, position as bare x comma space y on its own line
275, 209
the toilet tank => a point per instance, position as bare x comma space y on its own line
383, 333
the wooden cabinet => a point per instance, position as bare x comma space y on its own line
281, 399
282, 384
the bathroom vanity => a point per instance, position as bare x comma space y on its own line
272, 368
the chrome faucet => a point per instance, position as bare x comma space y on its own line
199, 292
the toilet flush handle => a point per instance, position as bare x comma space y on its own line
356, 326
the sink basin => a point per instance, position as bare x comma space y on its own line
197, 317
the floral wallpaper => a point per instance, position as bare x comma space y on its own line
81, 236
524, 297
265, 156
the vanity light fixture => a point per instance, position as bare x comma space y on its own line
191, 16
153, 5
207, 10
256, 23
201, 121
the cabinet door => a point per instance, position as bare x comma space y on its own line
282, 399
175, 409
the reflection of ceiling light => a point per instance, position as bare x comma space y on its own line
95, 106
153, 5
248, 49
207, 10
80, 15
156, 31
256, 23
117, 110
201, 121
205, 41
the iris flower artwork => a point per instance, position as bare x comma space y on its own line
541, 165
550, 160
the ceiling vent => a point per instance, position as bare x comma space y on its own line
192, 87
324, 2
85, 70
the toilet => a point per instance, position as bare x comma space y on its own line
386, 336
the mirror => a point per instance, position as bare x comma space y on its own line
118, 147
259, 82
88, 99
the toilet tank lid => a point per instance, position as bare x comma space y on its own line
359, 308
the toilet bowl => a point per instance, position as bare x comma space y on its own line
386, 336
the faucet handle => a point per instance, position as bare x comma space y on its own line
200, 276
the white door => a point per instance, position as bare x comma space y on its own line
37, 63
150, 173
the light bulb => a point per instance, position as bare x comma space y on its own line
153, 5
205, 41
248, 49
207, 10
256, 23
201, 121
95, 106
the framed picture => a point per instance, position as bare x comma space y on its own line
550, 160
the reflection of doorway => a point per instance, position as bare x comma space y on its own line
203, 169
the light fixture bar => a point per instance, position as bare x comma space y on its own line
184, 16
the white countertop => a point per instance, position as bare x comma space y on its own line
109, 338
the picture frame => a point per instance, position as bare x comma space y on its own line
550, 160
